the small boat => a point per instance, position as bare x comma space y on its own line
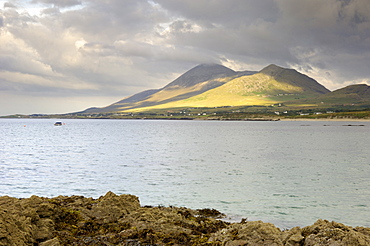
58, 123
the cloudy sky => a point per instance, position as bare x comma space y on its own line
59, 56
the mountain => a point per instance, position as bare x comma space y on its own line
358, 94
294, 78
194, 82
126, 101
271, 85
213, 85
201, 73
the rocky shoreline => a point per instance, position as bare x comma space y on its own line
120, 220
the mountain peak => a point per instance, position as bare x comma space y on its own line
362, 90
208, 65
201, 73
362, 86
293, 77
272, 70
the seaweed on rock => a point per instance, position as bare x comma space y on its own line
120, 220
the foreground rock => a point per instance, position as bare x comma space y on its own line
120, 220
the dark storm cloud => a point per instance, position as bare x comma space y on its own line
51, 11
59, 3
332, 36
9, 5
226, 13
236, 27
116, 18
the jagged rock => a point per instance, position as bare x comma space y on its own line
293, 237
44, 229
51, 242
14, 230
250, 233
111, 207
323, 232
120, 220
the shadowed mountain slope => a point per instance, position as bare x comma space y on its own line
201, 73
126, 101
359, 91
353, 94
294, 78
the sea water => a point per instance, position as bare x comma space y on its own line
290, 173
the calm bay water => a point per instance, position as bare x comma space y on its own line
288, 173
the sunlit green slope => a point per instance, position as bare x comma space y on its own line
194, 82
271, 85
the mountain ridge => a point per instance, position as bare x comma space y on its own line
290, 74
271, 85
201, 73
348, 95
195, 81
214, 85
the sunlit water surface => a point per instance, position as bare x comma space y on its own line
288, 173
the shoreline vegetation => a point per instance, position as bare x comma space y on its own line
121, 220
227, 114
199, 118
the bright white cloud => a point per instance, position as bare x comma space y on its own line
80, 43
